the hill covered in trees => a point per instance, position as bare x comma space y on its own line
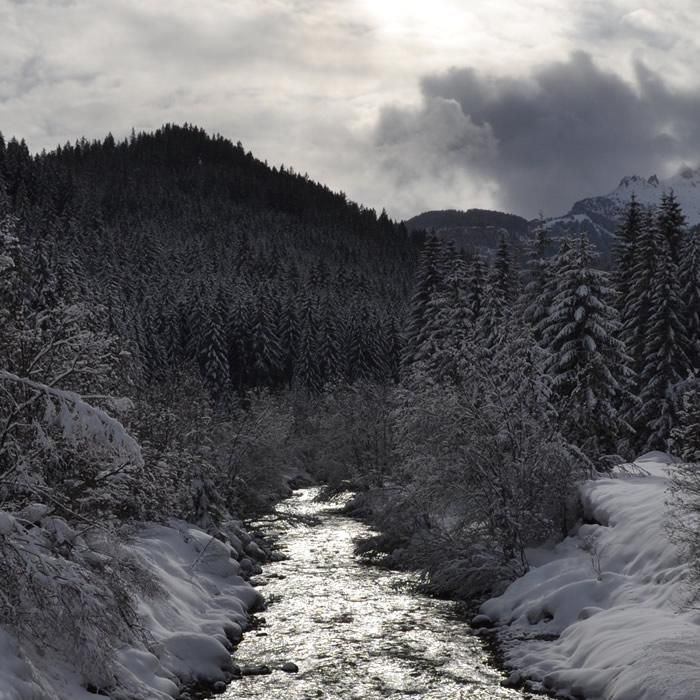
474, 230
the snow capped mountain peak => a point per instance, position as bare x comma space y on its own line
685, 184
598, 216
633, 180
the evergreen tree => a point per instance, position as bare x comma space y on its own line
429, 281
636, 307
288, 333
268, 357
665, 362
671, 224
307, 373
477, 284
685, 436
449, 326
213, 356
690, 296
361, 359
537, 288
587, 362
625, 255
329, 359
500, 295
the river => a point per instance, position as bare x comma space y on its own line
356, 632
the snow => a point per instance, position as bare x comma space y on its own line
196, 605
615, 593
80, 421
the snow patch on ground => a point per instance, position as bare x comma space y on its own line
197, 608
616, 596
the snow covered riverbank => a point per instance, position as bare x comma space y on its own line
194, 606
605, 613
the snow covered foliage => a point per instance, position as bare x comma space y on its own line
607, 613
585, 358
482, 471
656, 297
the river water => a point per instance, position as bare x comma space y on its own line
356, 632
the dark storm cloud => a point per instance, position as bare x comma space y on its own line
333, 87
569, 130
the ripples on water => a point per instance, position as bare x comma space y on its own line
356, 632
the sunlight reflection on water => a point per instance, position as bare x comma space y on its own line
356, 632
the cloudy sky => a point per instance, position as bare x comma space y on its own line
522, 105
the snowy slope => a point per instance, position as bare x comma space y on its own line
197, 608
615, 597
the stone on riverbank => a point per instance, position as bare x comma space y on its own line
260, 670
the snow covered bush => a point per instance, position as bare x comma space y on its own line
353, 436
484, 472
251, 452
68, 592
685, 437
204, 460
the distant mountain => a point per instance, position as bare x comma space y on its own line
472, 230
480, 229
598, 216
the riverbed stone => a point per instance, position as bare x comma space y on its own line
219, 687
259, 670
513, 680
481, 621
290, 667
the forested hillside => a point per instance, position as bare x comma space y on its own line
199, 253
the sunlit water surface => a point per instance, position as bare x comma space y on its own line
356, 632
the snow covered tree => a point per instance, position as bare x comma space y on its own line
329, 352
587, 362
477, 283
665, 361
625, 254
685, 436
538, 286
690, 296
449, 325
307, 373
500, 294
671, 223
212, 349
636, 306
268, 362
428, 282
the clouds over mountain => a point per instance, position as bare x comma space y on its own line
564, 131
